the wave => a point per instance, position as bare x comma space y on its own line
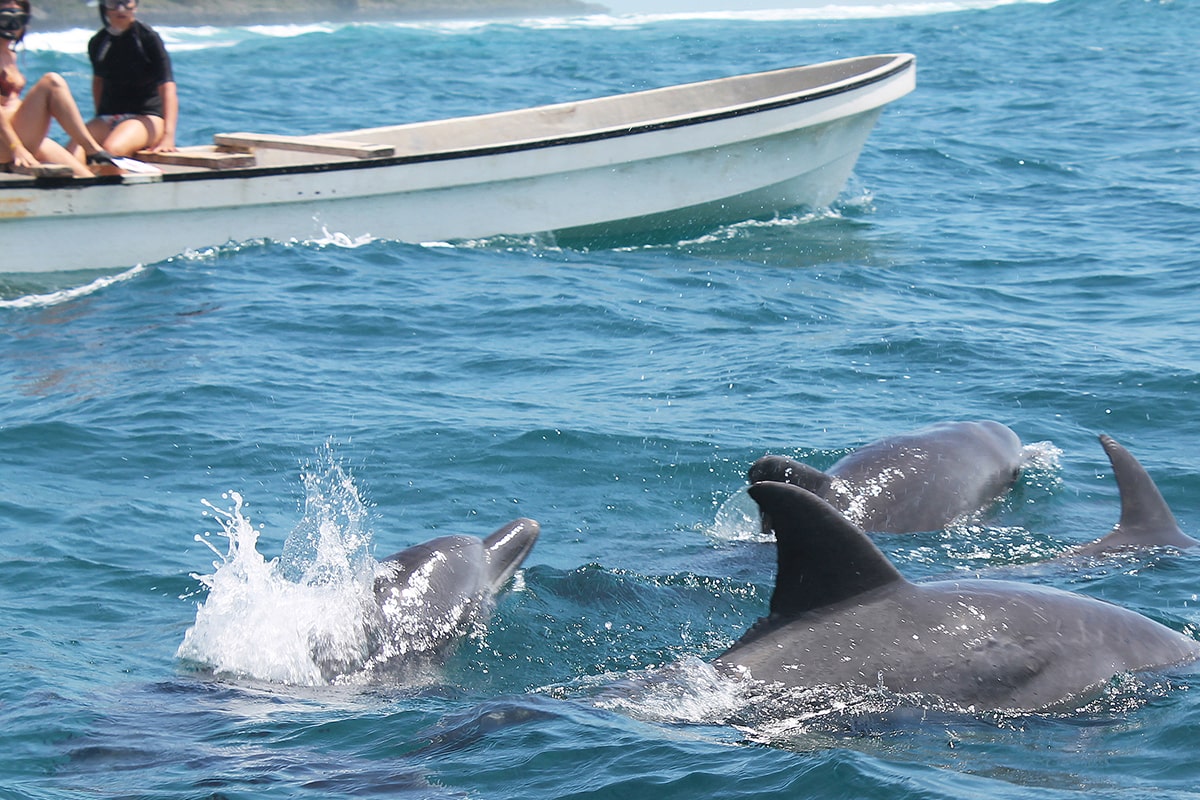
178, 39
782, 11
46, 296
182, 39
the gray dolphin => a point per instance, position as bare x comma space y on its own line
1146, 520
842, 614
430, 594
917, 481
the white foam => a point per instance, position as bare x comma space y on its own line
1044, 456
339, 239
793, 11
737, 520
305, 618
623, 15
690, 690
60, 296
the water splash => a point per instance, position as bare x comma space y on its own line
690, 690
315, 614
694, 691
326, 238
339, 239
1041, 456
737, 520
332, 542
306, 618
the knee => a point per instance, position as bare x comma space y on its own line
53, 81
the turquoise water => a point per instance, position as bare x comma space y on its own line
1018, 243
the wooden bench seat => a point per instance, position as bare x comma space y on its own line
248, 142
205, 156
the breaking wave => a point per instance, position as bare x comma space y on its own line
43, 297
181, 39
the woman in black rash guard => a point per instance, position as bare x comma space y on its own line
133, 87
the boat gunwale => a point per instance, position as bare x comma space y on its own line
900, 62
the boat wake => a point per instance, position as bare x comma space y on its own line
327, 238
721, 235
44, 297
752, 227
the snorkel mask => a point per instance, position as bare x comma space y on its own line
12, 24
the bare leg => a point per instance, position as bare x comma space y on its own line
50, 98
98, 128
133, 134
51, 152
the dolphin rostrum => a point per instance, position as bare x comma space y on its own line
842, 614
917, 481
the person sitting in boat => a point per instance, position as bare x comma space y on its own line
25, 123
133, 87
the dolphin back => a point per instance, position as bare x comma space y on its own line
440, 572
917, 481
926, 479
842, 614
428, 596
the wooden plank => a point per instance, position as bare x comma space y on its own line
46, 171
306, 144
208, 157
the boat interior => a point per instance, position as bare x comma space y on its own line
511, 129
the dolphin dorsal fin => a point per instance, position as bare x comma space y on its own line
1146, 520
823, 558
782, 469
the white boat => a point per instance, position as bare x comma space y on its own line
609, 169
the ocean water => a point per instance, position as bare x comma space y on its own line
1018, 242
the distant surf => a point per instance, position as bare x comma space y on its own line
180, 39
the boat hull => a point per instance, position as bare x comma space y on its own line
612, 185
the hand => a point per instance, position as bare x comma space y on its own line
165, 145
22, 159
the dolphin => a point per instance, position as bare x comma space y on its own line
842, 614
429, 595
1146, 520
917, 481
